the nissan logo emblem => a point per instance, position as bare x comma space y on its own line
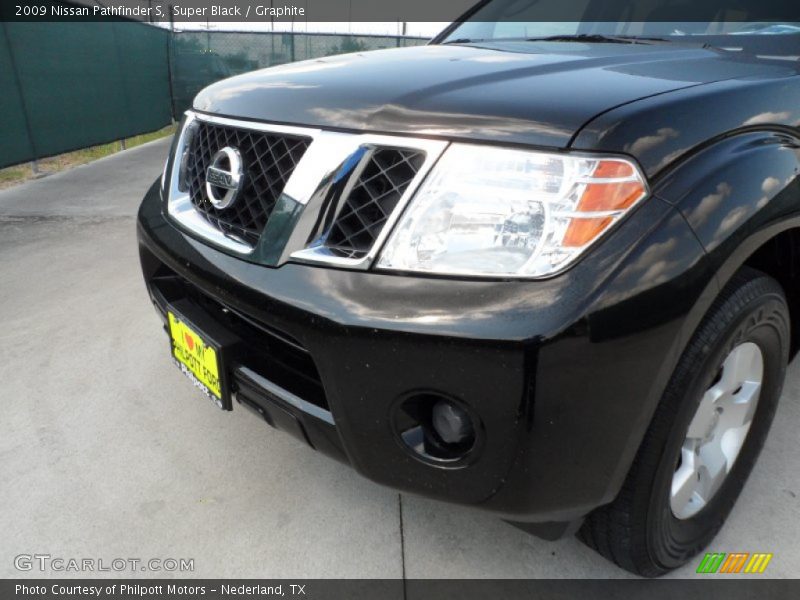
224, 178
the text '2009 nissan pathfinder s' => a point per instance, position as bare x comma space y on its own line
549, 270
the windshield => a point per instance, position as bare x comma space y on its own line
724, 23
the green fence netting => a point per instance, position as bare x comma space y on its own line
15, 143
72, 85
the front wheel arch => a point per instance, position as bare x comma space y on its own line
637, 530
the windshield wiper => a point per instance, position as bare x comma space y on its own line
598, 39
462, 41
582, 37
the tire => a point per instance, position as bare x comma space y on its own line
640, 531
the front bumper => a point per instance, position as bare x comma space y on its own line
564, 374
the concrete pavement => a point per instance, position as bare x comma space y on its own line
107, 451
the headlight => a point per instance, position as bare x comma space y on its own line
487, 211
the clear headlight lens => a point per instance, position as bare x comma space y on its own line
489, 211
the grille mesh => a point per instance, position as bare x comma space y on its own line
268, 159
375, 195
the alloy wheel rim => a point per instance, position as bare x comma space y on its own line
718, 431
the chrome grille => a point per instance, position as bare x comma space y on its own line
373, 198
305, 195
269, 160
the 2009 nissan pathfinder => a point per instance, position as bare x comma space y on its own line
549, 270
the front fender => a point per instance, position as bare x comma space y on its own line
736, 195
728, 200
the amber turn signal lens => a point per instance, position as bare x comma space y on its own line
610, 196
582, 231
613, 169
603, 196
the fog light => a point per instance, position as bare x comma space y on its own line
451, 423
436, 428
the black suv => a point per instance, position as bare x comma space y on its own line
549, 270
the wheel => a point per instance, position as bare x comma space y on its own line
705, 436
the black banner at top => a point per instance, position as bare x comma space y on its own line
353, 11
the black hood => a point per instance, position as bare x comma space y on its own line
532, 93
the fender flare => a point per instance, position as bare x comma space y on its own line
735, 194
